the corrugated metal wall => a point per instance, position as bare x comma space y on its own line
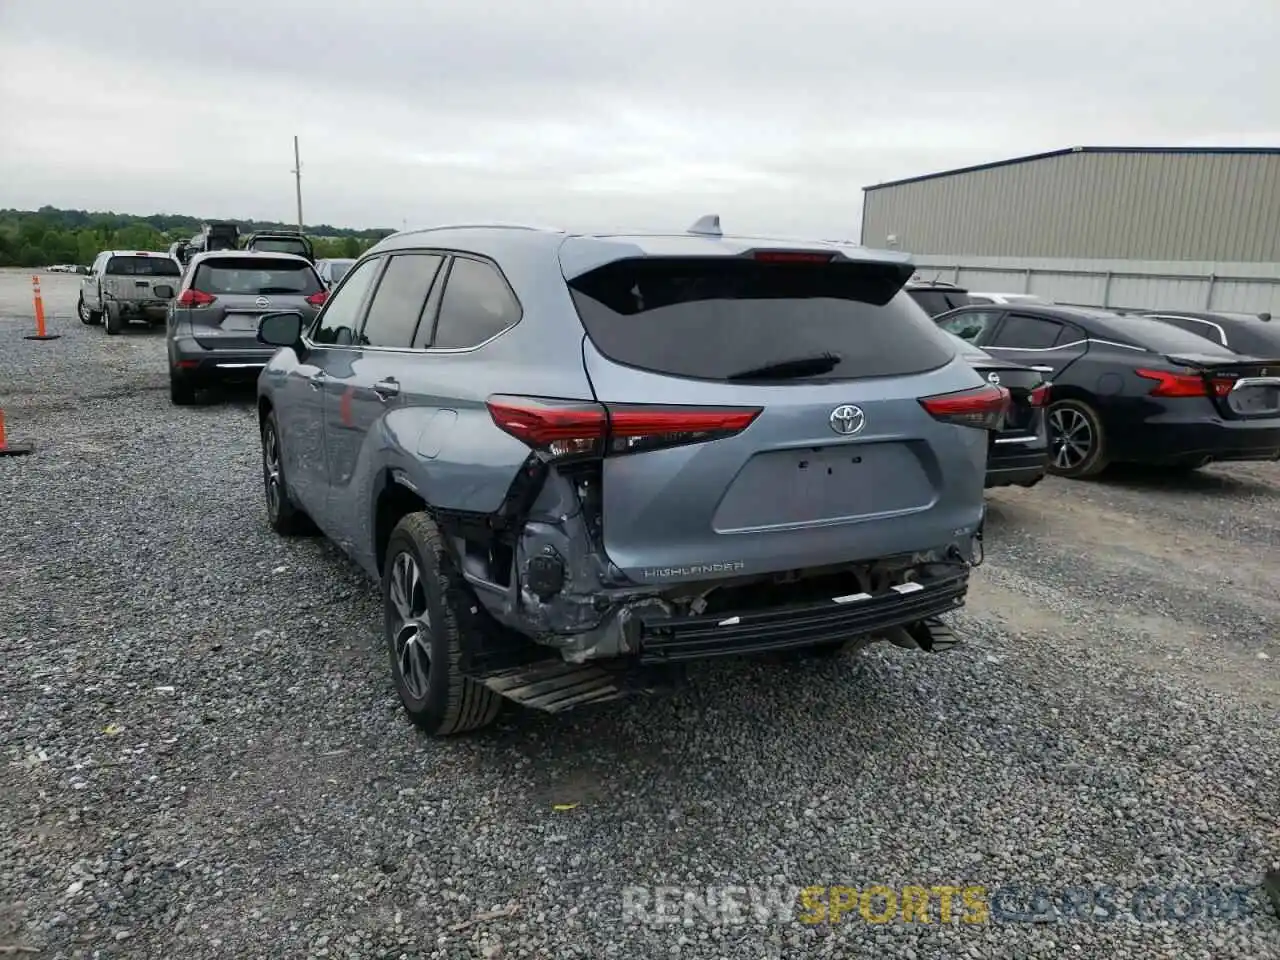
1132, 284
1131, 206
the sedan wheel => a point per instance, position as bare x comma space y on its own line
1076, 443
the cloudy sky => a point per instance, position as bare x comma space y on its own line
595, 113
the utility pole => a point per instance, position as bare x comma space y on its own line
297, 180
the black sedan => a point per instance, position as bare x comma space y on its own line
1128, 388
1019, 453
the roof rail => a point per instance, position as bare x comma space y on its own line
708, 226
491, 225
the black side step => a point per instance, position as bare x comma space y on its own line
553, 685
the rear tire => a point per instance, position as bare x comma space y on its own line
115, 322
182, 393
421, 594
1077, 443
285, 517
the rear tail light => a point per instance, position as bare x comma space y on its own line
567, 428
1039, 397
316, 299
984, 407
195, 298
1184, 384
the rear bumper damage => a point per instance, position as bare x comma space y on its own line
882, 600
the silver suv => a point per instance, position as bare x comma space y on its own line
565, 456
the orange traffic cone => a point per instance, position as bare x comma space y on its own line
11, 449
38, 303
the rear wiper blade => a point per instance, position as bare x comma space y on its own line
794, 367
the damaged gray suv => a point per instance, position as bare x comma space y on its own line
572, 460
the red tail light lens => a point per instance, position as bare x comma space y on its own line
983, 407
195, 298
1185, 384
316, 299
561, 428
1039, 396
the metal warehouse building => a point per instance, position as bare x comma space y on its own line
1102, 226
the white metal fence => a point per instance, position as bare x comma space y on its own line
1156, 285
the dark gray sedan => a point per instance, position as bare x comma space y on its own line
213, 322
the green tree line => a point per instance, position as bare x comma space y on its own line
37, 238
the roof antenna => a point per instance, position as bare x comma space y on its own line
1264, 317
708, 226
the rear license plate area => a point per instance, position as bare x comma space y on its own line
241, 322
782, 488
1259, 401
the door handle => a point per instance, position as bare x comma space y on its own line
1043, 369
317, 379
386, 389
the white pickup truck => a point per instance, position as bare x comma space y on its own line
125, 285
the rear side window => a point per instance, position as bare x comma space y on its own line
1028, 333
144, 267
254, 277
399, 300
477, 305
712, 318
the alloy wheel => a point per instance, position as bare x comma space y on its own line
411, 624
271, 468
1070, 436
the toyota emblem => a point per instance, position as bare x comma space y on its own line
847, 419
262, 302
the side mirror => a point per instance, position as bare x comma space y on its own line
163, 290
282, 329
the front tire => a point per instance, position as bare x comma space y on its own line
90, 318
284, 516
1077, 443
420, 591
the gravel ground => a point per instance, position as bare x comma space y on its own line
205, 758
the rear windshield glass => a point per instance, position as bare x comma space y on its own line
712, 318
339, 270
157, 266
1164, 337
280, 245
250, 275
935, 302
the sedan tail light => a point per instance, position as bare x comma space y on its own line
1184, 384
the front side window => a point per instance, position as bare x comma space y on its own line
340, 317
